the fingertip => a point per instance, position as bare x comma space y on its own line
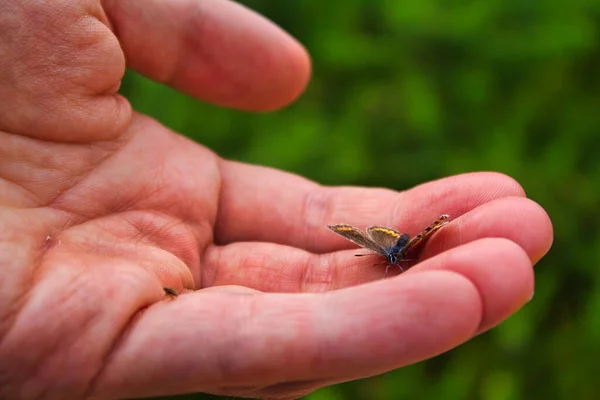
545, 232
500, 269
518, 219
291, 77
401, 320
218, 51
502, 185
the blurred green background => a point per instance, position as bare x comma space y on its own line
408, 91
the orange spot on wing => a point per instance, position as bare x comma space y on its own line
388, 231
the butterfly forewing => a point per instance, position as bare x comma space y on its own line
356, 236
385, 237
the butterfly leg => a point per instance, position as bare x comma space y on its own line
391, 265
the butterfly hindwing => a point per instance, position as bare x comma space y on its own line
385, 237
356, 236
423, 236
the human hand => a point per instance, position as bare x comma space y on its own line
102, 207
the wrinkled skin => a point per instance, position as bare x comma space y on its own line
101, 207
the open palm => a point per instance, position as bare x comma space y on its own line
100, 208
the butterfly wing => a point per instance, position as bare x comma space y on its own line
385, 237
356, 236
423, 236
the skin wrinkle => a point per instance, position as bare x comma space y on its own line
199, 28
98, 38
19, 303
196, 28
210, 265
113, 207
192, 43
230, 363
305, 280
504, 186
275, 344
306, 211
117, 242
399, 207
127, 325
203, 229
59, 350
313, 270
427, 203
482, 304
180, 51
270, 277
162, 71
16, 305
49, 349
75, 178
222, 187
481, 313
459, 229
30, 195
316, 209
114, 349
163, 234
34, 375
458, 259
303, 327
206, 230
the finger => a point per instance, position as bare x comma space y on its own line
515, 218
279, 268
262, 204
230, 343
504, 286
215, 50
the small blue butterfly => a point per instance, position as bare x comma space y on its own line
387, 242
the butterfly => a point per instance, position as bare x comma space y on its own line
387, 242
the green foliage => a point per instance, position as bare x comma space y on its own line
408, 91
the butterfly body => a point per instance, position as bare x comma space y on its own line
387, 242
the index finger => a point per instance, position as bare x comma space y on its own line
215, 50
